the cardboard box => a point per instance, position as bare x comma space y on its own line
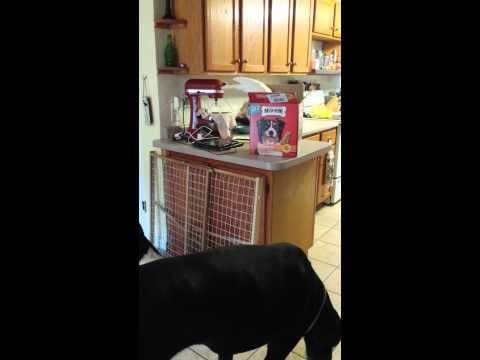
296, 89
274, 119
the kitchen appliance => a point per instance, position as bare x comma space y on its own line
194, 88
243, 125
242, 128
335, 193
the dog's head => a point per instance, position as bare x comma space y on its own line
270, 131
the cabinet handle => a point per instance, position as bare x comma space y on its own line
289, 63
237, 61
294, 63
245, 61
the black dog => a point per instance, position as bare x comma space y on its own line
234, 300
270, 131
144, 245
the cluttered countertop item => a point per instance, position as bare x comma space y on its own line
307, 150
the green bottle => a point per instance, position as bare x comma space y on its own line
170, 52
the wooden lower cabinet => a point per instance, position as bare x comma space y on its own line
329, 136
288, 202
323, 189
315, 137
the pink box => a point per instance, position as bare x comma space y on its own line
273, 124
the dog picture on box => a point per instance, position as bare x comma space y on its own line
273, 124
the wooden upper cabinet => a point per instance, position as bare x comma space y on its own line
251, 36
324, 17
281, 20
236, 35
338, 16
254, 35
302, 36
221, 35
290, 36
189, 44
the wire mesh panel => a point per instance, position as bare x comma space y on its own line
196, 208
231, 215
175, 190
203, 208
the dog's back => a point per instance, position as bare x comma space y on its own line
231, 299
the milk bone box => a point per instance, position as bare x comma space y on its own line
273, 123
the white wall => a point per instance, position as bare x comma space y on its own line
147, 133
151, 44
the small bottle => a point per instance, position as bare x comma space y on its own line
313, 60
326, 63
170, 52
319, 62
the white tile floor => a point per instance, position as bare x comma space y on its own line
325, 258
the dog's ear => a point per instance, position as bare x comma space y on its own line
281, 124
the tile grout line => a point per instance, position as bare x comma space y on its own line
326, 242
251, 354
203, 357
336, 293
326, 278
323, 261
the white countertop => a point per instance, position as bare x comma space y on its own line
312, 126
307, 150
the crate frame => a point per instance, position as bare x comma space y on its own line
241, 223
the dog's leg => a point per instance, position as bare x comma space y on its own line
325, 354
325, 334
280, 350
225, 356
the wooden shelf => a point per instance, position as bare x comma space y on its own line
170, 23
335, 72
321, 37
173, 70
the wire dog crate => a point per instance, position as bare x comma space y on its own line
196, 207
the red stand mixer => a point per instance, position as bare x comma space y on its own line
194, 88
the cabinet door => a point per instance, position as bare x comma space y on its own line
315, 137
221, 35
329, 135
338, 16
281, 16
189, 44
254, 35
236, 205
324, 15
320, 179
323, 189
302, 36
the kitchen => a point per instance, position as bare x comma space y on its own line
280, 45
